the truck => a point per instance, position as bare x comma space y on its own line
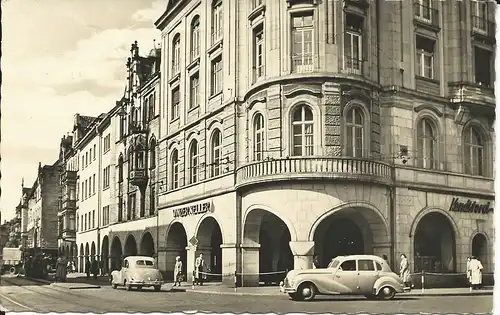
12, 260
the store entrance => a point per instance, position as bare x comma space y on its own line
342, 237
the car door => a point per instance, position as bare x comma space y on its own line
346, 277
123, 271
367, 275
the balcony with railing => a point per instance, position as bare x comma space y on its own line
331, 168
138, 177
426, 16
483, 28
352, 65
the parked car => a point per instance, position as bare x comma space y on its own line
366, 275
138, 272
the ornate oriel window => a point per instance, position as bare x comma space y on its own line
174, 169
474, 152
354, 122
216, 152
193, 162
258, 137
302, 131
426, 144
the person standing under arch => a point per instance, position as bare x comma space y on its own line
476, 271
404, 272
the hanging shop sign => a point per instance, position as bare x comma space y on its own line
470, 206
193, 210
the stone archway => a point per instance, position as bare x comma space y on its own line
434, 244
82, 254
87, 253
176, 246
92, 252
130, 246
266, 248
116, 254
209, 237
479, 249
349, 230
147, 245
105, 254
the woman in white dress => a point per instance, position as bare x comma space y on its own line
178, 271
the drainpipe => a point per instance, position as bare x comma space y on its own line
99, 194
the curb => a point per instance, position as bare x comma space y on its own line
402, 294
37, 280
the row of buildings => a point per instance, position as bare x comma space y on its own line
263, 133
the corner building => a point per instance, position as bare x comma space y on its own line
290, 129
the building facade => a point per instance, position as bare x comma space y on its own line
280, 130
42, 202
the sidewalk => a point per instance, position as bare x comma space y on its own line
216, 288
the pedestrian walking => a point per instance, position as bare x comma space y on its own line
476, 271
87, 267
404, 272
95, 268
199, 268
316, 263
61, 268
468, 270
178, 277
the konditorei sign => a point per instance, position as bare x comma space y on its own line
470, 206
193, 210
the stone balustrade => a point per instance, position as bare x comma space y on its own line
341, 168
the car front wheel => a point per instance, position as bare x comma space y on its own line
307, 291
294, 296
386, 293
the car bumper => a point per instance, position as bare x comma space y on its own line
285, 289
146, 283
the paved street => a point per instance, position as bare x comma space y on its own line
19, 294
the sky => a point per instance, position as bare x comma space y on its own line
58, 59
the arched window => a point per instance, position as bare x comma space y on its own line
195, 38
176, 54
120, 169
354, 122
193, 162
474, 152
174, 162
152, 154
426, 144
302, 131
216, 152
258, 137
217, 21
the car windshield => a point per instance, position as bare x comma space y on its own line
334, 263
144, 263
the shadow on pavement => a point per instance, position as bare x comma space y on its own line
11, 281
346, 299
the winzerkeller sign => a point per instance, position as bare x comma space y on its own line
193, 210
470, 206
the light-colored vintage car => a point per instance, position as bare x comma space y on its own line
138, 272
366, 275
